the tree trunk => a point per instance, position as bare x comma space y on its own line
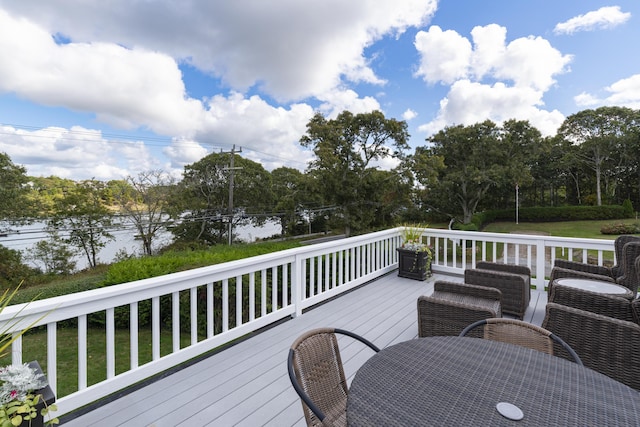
598, 191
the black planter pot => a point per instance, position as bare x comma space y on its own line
414, 265
47, 396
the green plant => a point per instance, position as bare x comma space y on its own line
621, 228
18, 398
412, 238
627, 207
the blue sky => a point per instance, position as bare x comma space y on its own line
106, 90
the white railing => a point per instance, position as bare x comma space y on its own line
534, 251
224, 302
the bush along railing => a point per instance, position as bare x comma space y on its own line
139, 329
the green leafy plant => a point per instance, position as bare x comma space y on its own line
18, 398
412, 238
18, 401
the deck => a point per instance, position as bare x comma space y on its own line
247, 383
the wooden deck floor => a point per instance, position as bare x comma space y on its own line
247, 384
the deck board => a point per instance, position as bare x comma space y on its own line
247, 384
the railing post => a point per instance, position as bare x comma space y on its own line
296, 285
541, 263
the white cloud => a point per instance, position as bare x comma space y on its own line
75, 152
472, 102
125, 88
409, 114
292, 49
444, 55
184, 151
266, 133
119, 61
335, 102
603, 18
624, 93
493, 79
586, 100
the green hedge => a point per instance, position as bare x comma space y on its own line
171, 262
551, 214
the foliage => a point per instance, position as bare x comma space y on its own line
46, 192
600, 134
13, 189
9, 334
54, 254
412, 238
621, 228
203, 196
292, 198
12, 269
343, 172
83, 214
477, 159
550, 214
627, 207
171, 262
18, 400
145, 202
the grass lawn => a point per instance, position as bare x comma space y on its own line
35, 344
581, 229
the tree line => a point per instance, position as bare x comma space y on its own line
592, 160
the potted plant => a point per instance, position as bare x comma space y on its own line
25, 396
414, 256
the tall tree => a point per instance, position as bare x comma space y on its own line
13, 189
288, 189
597, 133
144, 201
345, 150
477, 158
205, 197
83, 220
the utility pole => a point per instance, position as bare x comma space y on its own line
231, 170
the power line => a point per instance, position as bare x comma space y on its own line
32, 234
75, 135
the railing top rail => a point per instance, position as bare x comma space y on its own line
66, 306
605, 244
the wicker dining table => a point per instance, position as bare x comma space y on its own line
599, 286
462, 381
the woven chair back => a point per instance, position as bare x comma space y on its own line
519, 333
320, 373
618, 269
629, 277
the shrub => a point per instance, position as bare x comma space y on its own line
551, 214
621, 229
627, 207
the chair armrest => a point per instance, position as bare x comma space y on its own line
607, 345
585, 268
440, 316
606, 305
466, 289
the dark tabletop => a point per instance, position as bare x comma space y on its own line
444, 381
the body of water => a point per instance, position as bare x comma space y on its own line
24, 238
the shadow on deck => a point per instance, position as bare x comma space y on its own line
247, 384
